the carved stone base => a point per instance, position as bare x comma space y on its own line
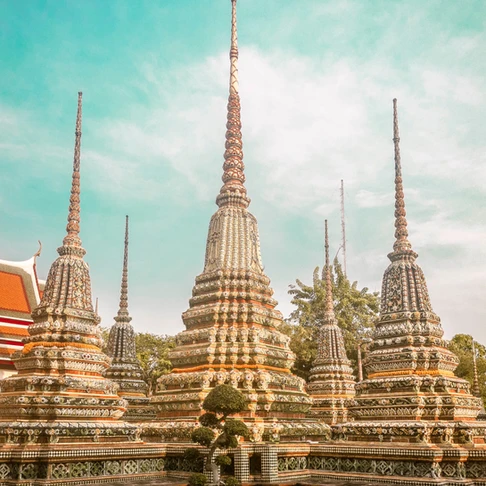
92, 464
272, 431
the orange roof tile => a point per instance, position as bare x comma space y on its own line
7, 351
12, 293
13, 331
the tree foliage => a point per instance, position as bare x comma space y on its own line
153, 355
225, 400
355, 309
461, 345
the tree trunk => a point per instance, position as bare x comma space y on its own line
212, 467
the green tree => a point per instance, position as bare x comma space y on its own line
217, 431
461, 345
356, 311
153, 355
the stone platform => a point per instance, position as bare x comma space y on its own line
63, 464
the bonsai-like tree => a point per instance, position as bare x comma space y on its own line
217, 431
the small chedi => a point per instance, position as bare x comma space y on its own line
331, 382
232, 325
59, 416
125, 369
410, 370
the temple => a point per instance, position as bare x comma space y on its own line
232, 325
125, 369
413, 418
59, 417
410, 369
75, 415
20, 293
331, 382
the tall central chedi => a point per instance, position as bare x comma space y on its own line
232, 325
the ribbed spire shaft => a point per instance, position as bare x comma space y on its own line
233, 88
72, 238
476, 391
233, 192
329, 316
123, 310
401, 232
360, 364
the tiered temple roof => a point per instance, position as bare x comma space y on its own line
125, 368
232, 325
410, 370
20, 293
331, 382
59, 393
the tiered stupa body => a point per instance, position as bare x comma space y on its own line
232, 325
59, 416
410, 370
125, 368
331, 382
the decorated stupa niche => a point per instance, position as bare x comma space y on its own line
331, 381
410, 371
231, 333
125, 368
59, 393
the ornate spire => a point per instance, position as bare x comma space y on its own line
329, 316
475, 389
72, 228
401, 247
331, 382
123, 310
233, 192
360, 364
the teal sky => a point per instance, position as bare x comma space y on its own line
317, 80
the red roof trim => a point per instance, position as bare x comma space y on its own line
10, 320
10, 342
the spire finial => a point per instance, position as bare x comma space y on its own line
233, 51
72, 228
123, 310
233, 191
96, 306
402, 245
476, 390
329, 313
401, 232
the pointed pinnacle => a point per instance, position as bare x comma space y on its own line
329, 312
72, 228
476, 390
123, 310
401, 245
233, 191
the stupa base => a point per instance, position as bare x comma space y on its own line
398, 463
60, 464
268, 430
